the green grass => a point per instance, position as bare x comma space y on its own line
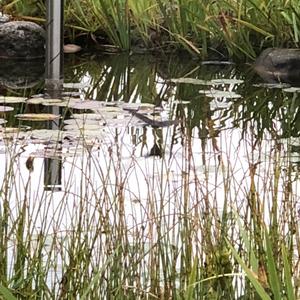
234, 29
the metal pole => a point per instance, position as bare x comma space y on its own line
54, 47
54, 79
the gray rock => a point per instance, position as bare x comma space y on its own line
20, 39
279, 65
4, 18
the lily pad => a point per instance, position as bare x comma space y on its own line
68, 102
80, 122
292, 90
35, 101
76, 85
14, 132
109, 109
44, 101
114, 103
217, 62
47, 153
191, 81
110, 112
90, 116
77, 133
10, 99
5, 109
38, 96
215, 104
88, 104
51, 102
2, 121
220, 94
13, 129
82, 127
67, 95
272, 85
55, 153
47, 134
148, 107
37, 117
226, 81
181, 102
124, 122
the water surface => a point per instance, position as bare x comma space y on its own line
100, 167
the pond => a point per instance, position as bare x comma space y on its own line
148, 179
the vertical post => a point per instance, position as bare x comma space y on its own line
54, 47
52, 174
54, 80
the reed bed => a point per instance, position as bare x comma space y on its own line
215, 217
229, 28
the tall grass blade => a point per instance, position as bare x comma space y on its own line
272, 271
253, 27
287, 275
96, 277
189, 295
258, 287
296, 29
6, 293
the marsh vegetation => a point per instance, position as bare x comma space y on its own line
220, 28
90, 211
98, 200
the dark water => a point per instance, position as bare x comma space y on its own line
146, 79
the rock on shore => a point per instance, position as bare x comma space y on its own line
279, 65
21, 39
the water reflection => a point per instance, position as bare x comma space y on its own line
20, 75
146, 80
226, 96
53, 166
113, 169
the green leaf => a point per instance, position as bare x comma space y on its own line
287, 275
97, 276
7, 295
272, 272
253, 27
192, 280
258, 287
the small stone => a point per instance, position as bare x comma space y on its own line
4, 18
71, 48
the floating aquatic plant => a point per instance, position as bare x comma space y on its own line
5, 108
44, 101
191, 81
220, 94
37, 117
11, 99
